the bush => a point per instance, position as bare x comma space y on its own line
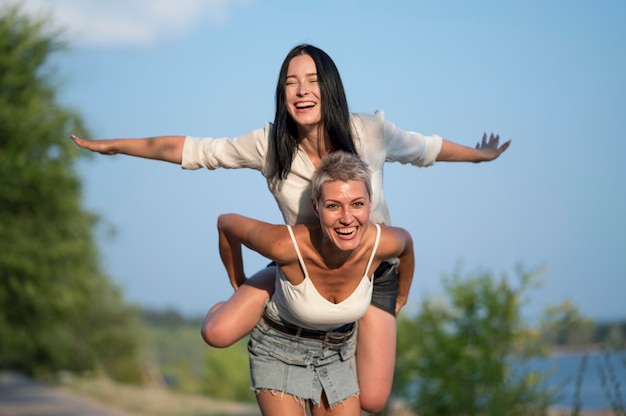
465, 356
228, 373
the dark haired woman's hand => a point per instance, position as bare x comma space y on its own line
104, 147
490, 148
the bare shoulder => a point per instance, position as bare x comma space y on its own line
393, 240
282, 247
393, 233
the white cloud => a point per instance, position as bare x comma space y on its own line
130, 22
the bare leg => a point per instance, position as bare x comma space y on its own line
349, 407
375, 358
279, 404
228, 322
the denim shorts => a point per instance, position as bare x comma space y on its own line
301, 367
385, 292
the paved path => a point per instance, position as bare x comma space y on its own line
20, 396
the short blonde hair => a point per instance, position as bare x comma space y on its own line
340, 166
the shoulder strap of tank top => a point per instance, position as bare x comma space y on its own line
300, 259
369, 263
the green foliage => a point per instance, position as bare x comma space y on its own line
564, 325
57, 309
465, 356
614, 335
227, 373
174, 349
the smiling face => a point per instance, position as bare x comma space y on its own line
344, 211
302, 91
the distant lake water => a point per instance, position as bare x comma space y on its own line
604, 373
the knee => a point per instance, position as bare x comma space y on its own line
215, 336
214, 333
373, 403
374, 398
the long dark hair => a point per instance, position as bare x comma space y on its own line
335, 115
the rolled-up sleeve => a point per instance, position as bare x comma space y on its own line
245, 151
408, 146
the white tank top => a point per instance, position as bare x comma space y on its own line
302, 305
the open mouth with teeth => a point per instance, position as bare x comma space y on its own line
346, 232
304, 105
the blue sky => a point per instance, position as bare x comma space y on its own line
547, 75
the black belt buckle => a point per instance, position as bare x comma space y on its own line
338, 339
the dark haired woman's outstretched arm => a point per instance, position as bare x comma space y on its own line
165, 148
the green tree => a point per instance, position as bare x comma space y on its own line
563, 324
227, 373
466, 356
57, 309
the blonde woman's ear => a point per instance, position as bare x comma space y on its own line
314, 203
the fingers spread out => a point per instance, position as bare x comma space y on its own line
492, 143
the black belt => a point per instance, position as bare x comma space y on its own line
335, 338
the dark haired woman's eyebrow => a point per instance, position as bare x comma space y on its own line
310, 74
